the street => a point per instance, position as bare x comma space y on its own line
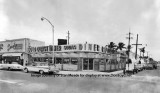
146, 81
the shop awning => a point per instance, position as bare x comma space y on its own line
12, 54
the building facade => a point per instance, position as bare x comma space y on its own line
79, 57
16, 50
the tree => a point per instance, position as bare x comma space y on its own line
112, 47
120, 46
129, 48
142, 50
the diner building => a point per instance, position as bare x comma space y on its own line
16, 50
79, 57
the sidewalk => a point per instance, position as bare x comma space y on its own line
90, 72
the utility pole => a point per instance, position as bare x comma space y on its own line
136, 46
43, 18
129, 46
68, 37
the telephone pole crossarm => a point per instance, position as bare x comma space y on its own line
136, 46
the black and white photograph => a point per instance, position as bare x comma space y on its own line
79, 46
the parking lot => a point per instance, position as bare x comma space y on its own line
19, 82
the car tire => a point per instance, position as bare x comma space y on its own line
26, 70
41, 72
9, 69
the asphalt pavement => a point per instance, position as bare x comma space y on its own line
146, 81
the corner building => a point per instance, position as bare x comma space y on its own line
16, 50
79, 57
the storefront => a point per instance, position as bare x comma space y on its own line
81, 57
17, 50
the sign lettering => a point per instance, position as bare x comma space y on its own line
90, 47
95, 47
15, 46
57, 48
67, 48
71, 47
80, 47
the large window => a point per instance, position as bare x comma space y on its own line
41, 59
102, 62
58, 60
74, 61
66, 61
70, 64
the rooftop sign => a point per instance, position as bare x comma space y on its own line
69, 48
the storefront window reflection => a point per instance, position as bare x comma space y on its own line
12, 59
58, 60
74, 61
66, 61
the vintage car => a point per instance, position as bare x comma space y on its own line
13, 66
131, 66
141, 65
1, 66
42, 68
151, 65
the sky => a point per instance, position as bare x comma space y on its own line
91, 21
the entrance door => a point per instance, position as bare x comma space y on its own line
90, 64
87, 64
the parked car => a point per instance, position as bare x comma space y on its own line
1, 66
151, 66
41, 68
13, 66
131, 66
141, 66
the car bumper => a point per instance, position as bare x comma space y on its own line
54, 72
16, 68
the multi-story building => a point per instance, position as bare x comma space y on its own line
16, 50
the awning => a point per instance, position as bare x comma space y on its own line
12, 54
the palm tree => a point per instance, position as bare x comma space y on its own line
112, 47
142, 50
120, 46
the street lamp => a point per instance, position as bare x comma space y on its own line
43, 18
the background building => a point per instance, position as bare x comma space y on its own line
16, 50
